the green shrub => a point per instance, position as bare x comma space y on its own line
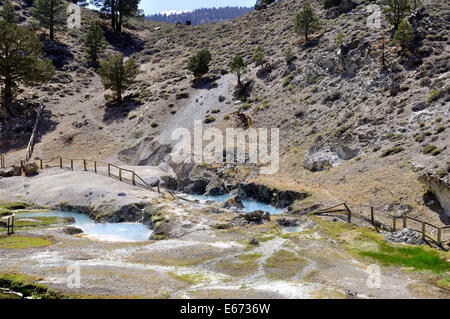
433, 96
392, 151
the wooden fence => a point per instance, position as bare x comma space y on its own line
98, 167
381, 219
2, 161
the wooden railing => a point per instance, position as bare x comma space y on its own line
98, 167
2, 161
9, 224
381, 219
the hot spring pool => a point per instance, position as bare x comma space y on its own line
120, 232
249, 205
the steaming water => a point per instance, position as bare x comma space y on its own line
121, 232
249, 204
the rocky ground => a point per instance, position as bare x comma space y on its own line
212, 263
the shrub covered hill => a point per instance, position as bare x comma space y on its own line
363, 118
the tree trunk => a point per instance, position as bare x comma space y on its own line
120, 14
113, 15
8, 93
239, 77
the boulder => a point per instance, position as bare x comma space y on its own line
72, 231
215, 187
233, 203
405, 236
30, 168
288, 222
258, 216
7, 172
169, 182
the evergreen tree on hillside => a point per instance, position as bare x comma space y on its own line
51, 14
404, 36
260, 4
396, 11
258, 56
21, 61
8, 12
117, 75
118, 10
238, 64
306, 21
199, 63
94, 41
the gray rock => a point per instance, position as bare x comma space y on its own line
254, 241
288, 222
169, 182
405, 236
215, 187
30, 168
72, 231
257, 216
7, 172
233, 203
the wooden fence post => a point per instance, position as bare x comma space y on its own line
120, 174
394, 220
439, 237
84, 165
404, 221
109, 170
423, 230
42, 164
372, 219
133, 178
95, 167
71, 164
349, 213
60, 162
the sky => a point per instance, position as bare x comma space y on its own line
158, 6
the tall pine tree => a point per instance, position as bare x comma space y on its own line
118, 10
51, 14
94, 41
21, 61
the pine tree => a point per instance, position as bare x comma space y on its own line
396, 11
21, 61
404, 36
8, 12
51, 14
94, 41
289, 56
117, 75
258, 56
118, 10
238, 64
199, 63
306, 22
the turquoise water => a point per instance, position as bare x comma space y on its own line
249, 204
120, 232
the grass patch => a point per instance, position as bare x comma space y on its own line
418, 258
241, 266
190, 278
283, 264
39, 222
23, 242
25, 285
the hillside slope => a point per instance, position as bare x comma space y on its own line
350, 130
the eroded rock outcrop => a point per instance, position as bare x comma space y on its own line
440, 188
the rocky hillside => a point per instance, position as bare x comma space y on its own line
351, 129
